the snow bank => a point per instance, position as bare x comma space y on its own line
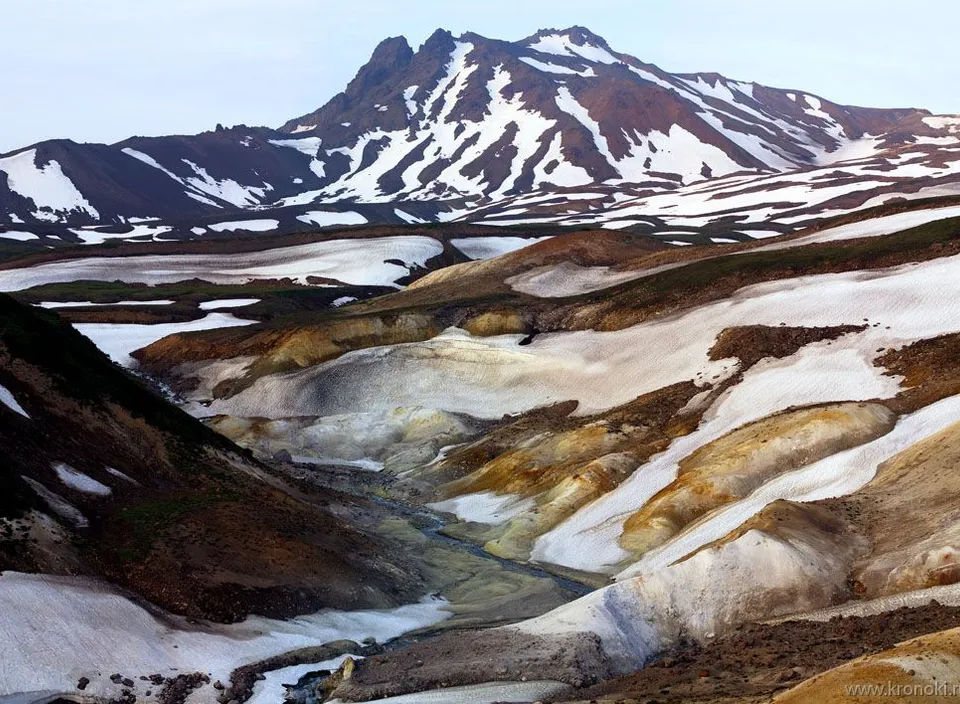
365, 440
837, 475
271, 689
118, 340
947, 595
562, 45
226, 190
93, 235
54, 630
750, 577
121, 475
19, 236
571, 279
555, 68
59, 506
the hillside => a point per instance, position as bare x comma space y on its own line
104, 477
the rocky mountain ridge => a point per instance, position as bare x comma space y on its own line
558, 127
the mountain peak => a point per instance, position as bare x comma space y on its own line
579, 35
438, 41
390, 56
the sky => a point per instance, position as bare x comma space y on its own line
103, 70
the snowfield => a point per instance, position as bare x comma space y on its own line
54, 630
676, 590
361, 262
836, 475
874, 227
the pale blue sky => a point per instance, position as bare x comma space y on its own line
101, 70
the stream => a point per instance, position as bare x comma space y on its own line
437, 523
430, 524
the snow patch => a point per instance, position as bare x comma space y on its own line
79, 481
249, 225
324, 218
555, 68
488, 247
54, 196
89, 304
19, 236
8, 400
485, 693
484, 507
228, 303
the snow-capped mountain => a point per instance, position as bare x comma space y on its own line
558, 128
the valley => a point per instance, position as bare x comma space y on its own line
519, 371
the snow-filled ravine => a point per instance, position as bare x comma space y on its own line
55, 630
361, 262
